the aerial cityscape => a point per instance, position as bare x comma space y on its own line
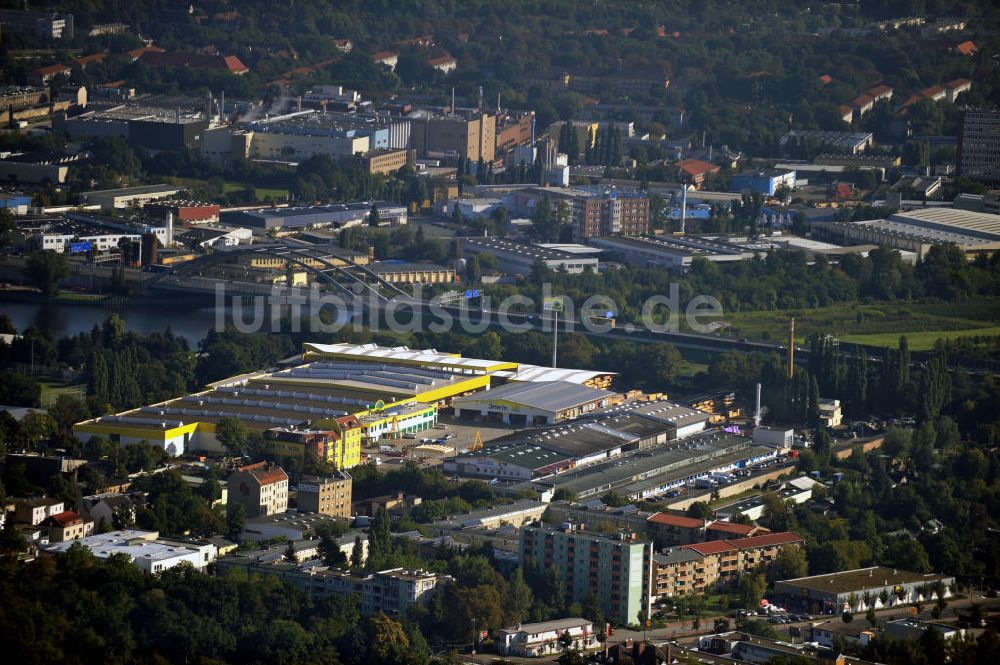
465, 332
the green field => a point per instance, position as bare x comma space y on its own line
919, 341
876, 325
262, 192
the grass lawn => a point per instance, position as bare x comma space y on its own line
262, 192
50, 392
919, 341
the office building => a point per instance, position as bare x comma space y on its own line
534, 404
261, 488
764, 181
614, 568
672, 253
326, 496
979, 145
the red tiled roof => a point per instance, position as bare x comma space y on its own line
768, 540
443, 60
270, 477
697, 167
384, 55
228, 63
734, 528
52, 69
967, 48
113, 84
879, 90
826, 79
862, 100
958, 83
710, 547
135, 54
93, 57
676, 520
65, 518
844, 110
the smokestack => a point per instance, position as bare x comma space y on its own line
756, 415
453, 101
684, 204
498, 103
791, 348
178, 116
208, 108
480, 100
298, 104
222, 106
170, 229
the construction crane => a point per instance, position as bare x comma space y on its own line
477, 443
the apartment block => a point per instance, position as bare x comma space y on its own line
326, 496
700, 567
261, 488
614, 567
979, 145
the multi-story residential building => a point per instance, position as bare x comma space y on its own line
979, 145
36, 511
326, 496
699, 567
68, 525
261, 488
530, 640
392, 591
616, 568
611, 213
339, 446
667, 529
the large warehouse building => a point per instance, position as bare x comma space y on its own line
335, 215
543, 403
341, 396
918, 230
834, 592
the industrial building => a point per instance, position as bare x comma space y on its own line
641, 474
37, 167
830, 593
534, 404
125, 197
765, 182
302, 134
335, 215
545, 452
470, 135
615, 568
405, 273
155, 123
918, 230
672, 253
852, 143
518, 258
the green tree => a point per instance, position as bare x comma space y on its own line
380, 538
358, 553
751, 589
45, 269
232, 434
236, 518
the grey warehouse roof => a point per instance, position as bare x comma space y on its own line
545, 395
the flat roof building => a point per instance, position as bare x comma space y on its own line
145, 549
337, 215
918, 230
519, 258
543, 403
831, 592
114, 199
674, 254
